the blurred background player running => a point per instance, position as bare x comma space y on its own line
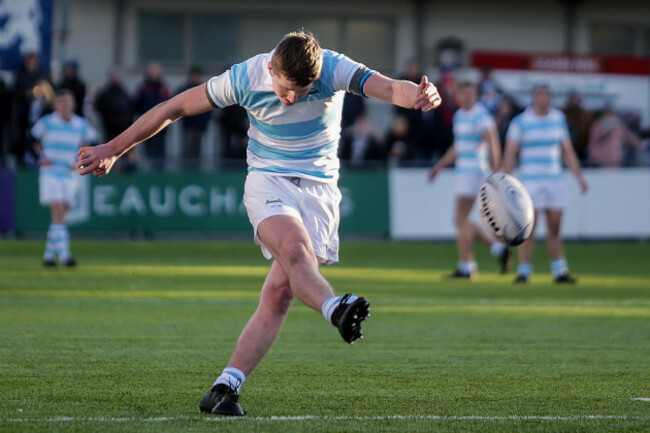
475, 151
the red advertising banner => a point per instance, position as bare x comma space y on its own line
556, 62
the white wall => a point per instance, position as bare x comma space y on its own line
497, 25
90, 37
617, 205
607, 11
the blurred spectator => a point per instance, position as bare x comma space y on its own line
398, 141
151, 92
233, 123
75, 84
194, 127
502, 118
436, 130
27, 75
412, 72
579, 121
489, 90
5, 117
606, 139
354, 106
114, 106
42, 101
359, 145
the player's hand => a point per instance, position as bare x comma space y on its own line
584, 186
43, 162
432, 174
428, 97
98, 159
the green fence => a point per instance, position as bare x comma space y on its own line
181, 201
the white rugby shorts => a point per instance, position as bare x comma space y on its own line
468, 186
316, 204
546, 194
57, 190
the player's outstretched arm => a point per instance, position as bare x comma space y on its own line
404, 93
446, 160
571, 161
100, 159
492, 139
510, 155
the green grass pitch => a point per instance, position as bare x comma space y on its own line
131, 339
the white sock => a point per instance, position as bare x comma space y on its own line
233, 377
559, 267
50, 250
467, 267
330, 304
497, 248
62, 241
525, 269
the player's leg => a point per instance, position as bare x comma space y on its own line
49, 256
559, 267
61, 235
525, 267
265, 324
465, 233
288, 241
255, 340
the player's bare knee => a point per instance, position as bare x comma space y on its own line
297, 253
278, 299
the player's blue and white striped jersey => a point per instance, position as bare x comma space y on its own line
472, 153
540, 141
61, 140
298, 140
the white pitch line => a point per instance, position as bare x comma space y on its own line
641, 399
327, 418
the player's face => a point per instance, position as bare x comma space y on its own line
466, 97
64, 105
287, 91
541, 100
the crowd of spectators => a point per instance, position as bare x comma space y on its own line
413, 138
32, 95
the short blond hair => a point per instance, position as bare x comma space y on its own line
298, 57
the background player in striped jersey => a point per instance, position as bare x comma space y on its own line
540, 136
59, 136
294, 97
475, 151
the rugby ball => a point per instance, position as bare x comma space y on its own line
506, 209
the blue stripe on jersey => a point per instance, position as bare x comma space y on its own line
239, 80
266, 152
468, 170
68, 127
275, 169
539, 143
550, 176
296, 131
330, 61
540, 124
471, 136
256, 99
539, 160
59, 145
470, 154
